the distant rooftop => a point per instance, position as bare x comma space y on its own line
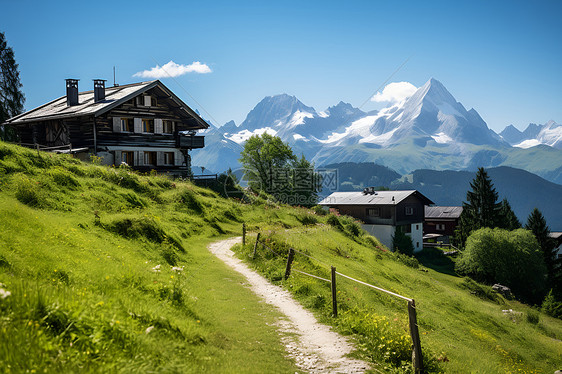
445, 212
376, 198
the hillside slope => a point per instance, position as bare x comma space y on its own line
104, 270
108, 271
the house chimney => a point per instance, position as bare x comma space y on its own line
72, 92
99, 90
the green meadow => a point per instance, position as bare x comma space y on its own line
105, 270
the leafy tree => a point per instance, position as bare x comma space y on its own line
11, 96
265, 160
481, 208
270, 166
508, 219
512, 258
402, 243
536, 223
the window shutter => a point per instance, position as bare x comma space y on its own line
159, 158
138, 125
158, 127
116, 124
178, 158
147, 100
117, 158
139, 158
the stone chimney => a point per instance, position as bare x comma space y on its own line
72, 92
99, 90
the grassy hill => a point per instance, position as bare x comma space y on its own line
88, 255
104, 270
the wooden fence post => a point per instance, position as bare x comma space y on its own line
256, 245
334, 293
289, 262
417, 359
244, 233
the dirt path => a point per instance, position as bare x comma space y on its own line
315, 347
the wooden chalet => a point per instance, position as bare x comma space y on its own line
383, 212
143, 125
441, 221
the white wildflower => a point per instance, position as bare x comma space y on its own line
4, 293
148, 329
177, 268
156, 269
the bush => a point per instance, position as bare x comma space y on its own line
402, 243
551, 306
511, 258
27, 191
307, 219
533, 317
334, 222
319, 210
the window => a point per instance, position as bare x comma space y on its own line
128, 157
150, 158
406, 229
168, 127
169, 158
409, 211
127, 125
440, 227
373, 212
417, 227
148, 125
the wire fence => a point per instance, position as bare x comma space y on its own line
417, 360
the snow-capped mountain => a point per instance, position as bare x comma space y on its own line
548, 134
430, 114
429, 129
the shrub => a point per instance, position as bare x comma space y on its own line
511, 258
533, 317
319, 210
27, 191
307, 219
551, 306
334, 222
402, 243
407, 260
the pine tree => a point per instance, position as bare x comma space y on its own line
508, 219
11, 96
481, 208
536, 223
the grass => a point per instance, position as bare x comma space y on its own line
88, 254
462, 326
108, 271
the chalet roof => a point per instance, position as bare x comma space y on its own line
378, 198
114, 96
555, 235
443, 212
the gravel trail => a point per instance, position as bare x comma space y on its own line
314, 346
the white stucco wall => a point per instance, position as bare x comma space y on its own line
384, 234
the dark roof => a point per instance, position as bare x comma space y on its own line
114, 96
444, 212
378, 198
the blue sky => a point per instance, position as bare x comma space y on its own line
502, 58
